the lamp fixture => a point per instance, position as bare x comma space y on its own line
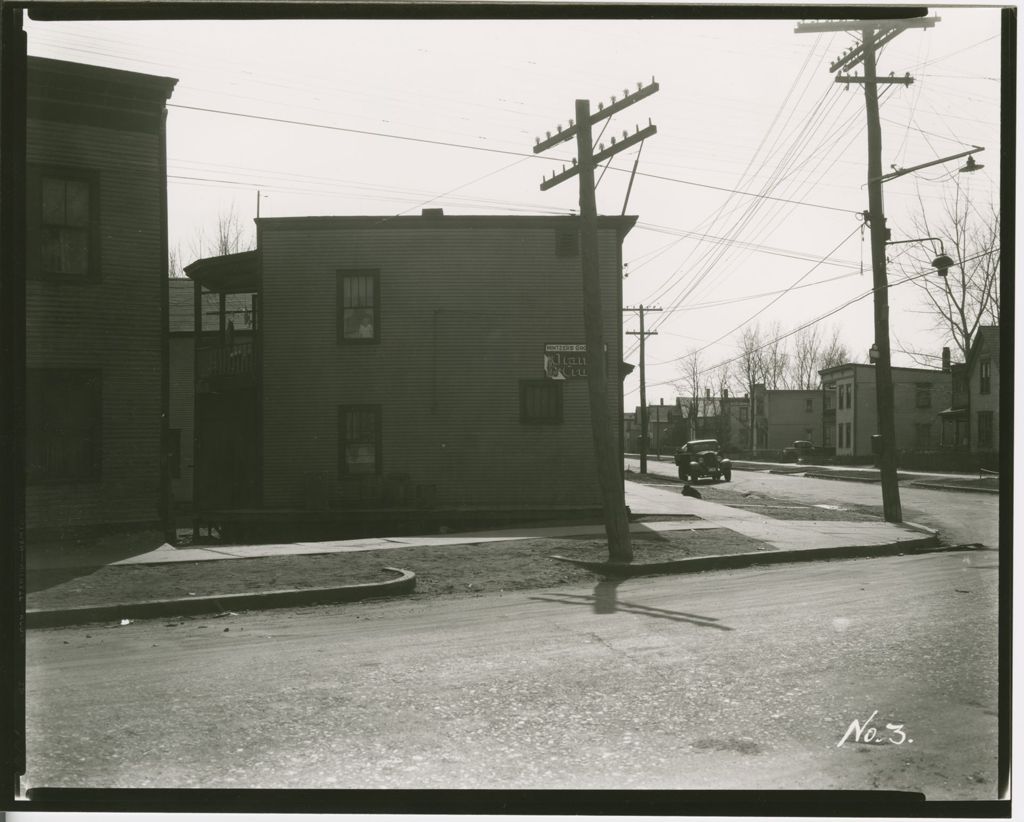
971, 165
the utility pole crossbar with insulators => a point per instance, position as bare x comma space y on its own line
609, 472
643, 382
875, 33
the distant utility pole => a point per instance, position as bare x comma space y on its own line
608, 468
874, 34
643, 383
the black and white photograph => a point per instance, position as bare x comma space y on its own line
504, 400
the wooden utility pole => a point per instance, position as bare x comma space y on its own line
874, 34
609, 473
643, 384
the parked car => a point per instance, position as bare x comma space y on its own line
703, 458
798, 451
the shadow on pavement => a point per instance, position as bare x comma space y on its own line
605, 600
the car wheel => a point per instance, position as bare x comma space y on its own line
682, 474
694, 478
727, 475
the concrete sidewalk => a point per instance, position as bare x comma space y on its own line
642, 499
786, 540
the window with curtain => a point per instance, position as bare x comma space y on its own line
358, 306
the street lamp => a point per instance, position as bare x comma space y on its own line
941, 264
970, 166
875, 216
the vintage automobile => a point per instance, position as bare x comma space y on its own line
798, 451
703, 458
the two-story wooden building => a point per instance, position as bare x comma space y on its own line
95, 299
919, 395
413, 361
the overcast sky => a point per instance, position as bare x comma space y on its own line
392, 116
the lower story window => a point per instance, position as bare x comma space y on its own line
359, 440
540, 401
63, 422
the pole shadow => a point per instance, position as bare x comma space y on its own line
605, 600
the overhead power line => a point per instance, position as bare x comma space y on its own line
489, 149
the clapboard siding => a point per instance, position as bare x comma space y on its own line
114, 323
182, 410
465, 314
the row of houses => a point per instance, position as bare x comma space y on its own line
955, 408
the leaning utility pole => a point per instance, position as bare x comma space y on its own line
874, 34
643, 383
608, 469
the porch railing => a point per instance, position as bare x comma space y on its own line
223, 360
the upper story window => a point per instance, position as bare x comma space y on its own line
63, 420
62, 223
809, 405
923, 393
567, 243
358, 306
985, 375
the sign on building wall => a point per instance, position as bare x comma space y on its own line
565, 362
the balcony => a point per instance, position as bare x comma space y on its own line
226, 364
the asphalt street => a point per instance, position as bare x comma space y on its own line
960, 517
747, 679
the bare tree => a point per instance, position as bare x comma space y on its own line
969, 295
174, 264
774, 359
814, 349
690, 385
230, 236
834, 352
803, 365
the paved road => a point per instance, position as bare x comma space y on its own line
740, 679
960, 517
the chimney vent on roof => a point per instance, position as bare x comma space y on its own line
946, 364
433, 212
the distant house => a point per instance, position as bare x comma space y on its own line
725, 418
630, 432
95, 299
919, 394
983, 389
782, 416
955, 421
413, 360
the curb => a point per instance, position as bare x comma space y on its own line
827, 476
79, 615
963, 489
922, 545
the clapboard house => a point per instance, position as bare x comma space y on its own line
95, 299
428, 362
